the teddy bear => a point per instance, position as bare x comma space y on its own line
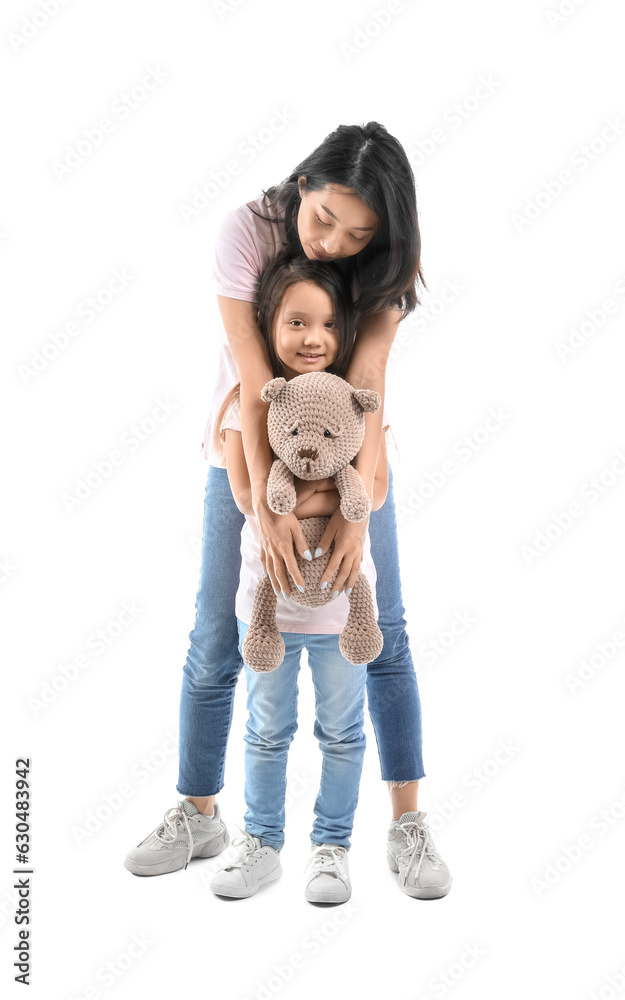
316, 426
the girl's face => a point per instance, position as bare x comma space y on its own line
334, 222
306, 336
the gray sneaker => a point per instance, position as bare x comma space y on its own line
412, 854
184, 834
255, 866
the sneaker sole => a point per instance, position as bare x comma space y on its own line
427, 892
243, 892
213, 847
323, 897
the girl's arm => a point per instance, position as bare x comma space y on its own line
279, 533
238, 475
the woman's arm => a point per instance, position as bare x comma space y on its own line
380, 483
279, 533
367, 370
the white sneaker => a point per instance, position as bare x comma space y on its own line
328, 874
255, 866
184, 833
412, 854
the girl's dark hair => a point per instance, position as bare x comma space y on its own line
285, 269
370, 161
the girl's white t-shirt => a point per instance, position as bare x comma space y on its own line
290, 616
244, 244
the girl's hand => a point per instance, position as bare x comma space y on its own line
318, 505
305, 488
280, 534
349, 542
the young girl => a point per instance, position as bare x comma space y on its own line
305, 317
353, 201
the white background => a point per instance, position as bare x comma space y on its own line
529, 259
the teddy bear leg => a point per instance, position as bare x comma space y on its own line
263, 647
361, 640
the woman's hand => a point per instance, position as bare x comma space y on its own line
280, 535
349, 542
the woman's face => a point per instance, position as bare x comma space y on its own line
305, 331
334, 222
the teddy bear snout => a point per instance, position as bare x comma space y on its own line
306, 457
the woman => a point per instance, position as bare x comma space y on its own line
352, 201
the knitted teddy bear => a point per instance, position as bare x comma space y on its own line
316, 425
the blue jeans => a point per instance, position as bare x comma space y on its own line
272, 704
214, 661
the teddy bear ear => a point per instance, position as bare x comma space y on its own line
272, 389
369, 399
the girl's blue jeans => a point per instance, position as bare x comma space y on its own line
214, 660
272, 704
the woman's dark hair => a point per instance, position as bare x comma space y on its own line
288, 268
370, 161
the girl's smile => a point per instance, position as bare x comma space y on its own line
306, 334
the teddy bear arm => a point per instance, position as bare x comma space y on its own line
355, 502
263, 647
361, 640
281, 494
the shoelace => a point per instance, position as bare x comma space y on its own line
418, 843
248, 846
327, 859
167, 832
